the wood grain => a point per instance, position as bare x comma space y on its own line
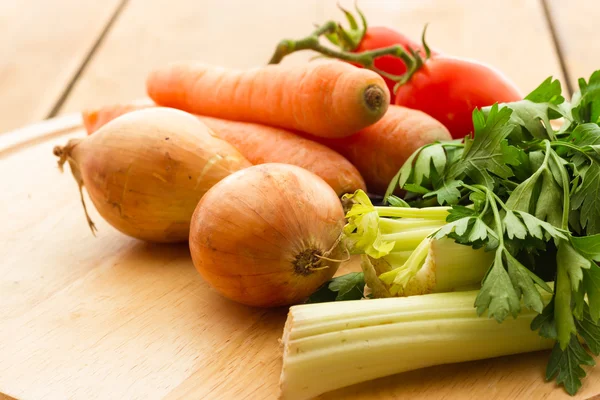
519, 44
577, 36
235, 33
42, 45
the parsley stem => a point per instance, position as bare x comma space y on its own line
566, 197
570, 146
450, 144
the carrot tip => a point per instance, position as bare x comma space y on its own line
374, 97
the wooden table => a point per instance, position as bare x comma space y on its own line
111, 317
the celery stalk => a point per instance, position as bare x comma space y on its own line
331, 345
404, 260
433, 266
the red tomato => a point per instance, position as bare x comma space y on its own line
449, 89
378, 37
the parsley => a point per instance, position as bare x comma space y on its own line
345, 287
518, 188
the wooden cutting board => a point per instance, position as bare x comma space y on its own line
110, 317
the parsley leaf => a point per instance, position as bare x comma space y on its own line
566, 365
591, 282
497, 293
585, 135
344, 287
589, 246
587, 198
348, 287
531, 116
322, 295
430, 155
586, 102
448, 193
549, 91
458, 212
523, 283
544, 322
485, 153
549, 204
513, 226
589, 331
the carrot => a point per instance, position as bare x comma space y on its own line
324, 99
262, 144
380, 150
96, 118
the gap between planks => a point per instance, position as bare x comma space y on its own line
556, 42
89, 56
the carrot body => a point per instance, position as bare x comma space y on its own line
380, 150
262, 144
325, 99
97, 118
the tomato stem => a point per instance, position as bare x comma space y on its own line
365, 59
411, 58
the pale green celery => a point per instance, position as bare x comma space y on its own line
439, 213
435, 266
389, 225
458, 267
327, 346
408, 261
409, 240
399, 278
398, 257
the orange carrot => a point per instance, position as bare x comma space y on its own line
379, 151
96, 118
324, 99
262, 144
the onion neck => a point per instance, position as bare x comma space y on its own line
64, 154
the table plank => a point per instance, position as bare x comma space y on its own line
577, 36
42, 45
520, 43
234, 33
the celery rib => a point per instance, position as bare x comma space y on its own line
439, 213
326, 347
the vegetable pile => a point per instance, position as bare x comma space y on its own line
447, 88
526, 194
474, 211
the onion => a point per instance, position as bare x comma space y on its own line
146, 171
268, 235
